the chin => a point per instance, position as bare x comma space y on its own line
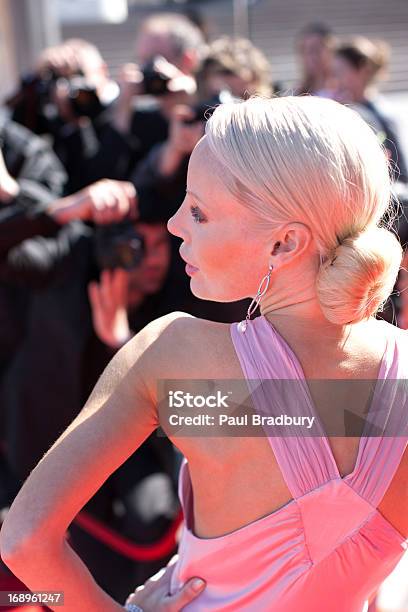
211, 295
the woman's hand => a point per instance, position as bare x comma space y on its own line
154, 596
109, 307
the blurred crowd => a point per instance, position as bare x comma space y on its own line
91, 169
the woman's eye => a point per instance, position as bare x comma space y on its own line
197, 216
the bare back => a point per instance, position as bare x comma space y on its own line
245, 476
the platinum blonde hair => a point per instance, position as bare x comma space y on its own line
315, 161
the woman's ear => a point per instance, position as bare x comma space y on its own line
294, 240
275, 248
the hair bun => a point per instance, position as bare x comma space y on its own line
357, 280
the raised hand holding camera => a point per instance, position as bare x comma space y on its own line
183, 138
157, 78
129, 80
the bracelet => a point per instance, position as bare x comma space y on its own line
133, 608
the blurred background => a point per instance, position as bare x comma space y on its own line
28, 27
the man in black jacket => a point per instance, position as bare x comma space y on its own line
112, 143
66, 97
30, 178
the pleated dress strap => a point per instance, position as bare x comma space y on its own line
385, 435
278, 388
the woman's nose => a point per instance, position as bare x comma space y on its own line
174, 227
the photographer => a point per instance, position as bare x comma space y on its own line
30, 178
123, 268
161, 177
169, 49
233, 68
96, 140
180, 42
105, 201
30, 173
42, 266
234, 64
66, 97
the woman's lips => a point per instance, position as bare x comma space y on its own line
190, 269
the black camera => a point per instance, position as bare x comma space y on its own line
83, 98
40, 86
204, 110
160, 78
155, 82
36, 96
118, 245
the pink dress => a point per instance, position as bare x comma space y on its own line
329, 548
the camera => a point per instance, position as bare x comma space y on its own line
204, 110
35, 96
155, 82
160, 78
83, 98
30, 105
118, 245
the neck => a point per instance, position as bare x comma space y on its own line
297, 316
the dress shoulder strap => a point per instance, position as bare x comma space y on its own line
385, 435
278, 389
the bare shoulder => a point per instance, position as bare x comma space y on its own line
402, 334
394, 332
391, 328
162, 329
177, 325
376, 330
179, 345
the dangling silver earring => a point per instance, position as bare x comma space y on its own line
254, 304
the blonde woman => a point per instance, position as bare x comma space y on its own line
284, 204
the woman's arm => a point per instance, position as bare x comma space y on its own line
119, 415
